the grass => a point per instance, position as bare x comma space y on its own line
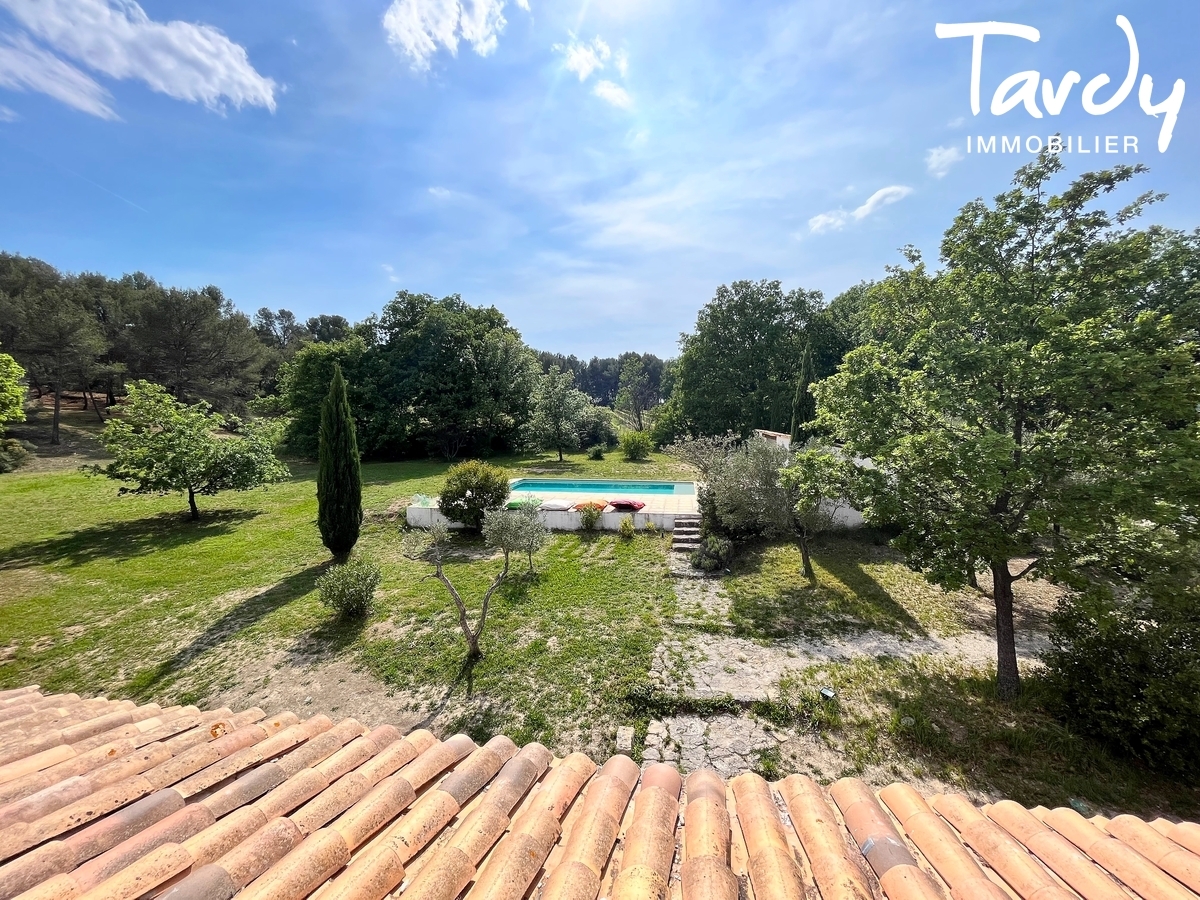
561, 648
934, 716
861, 584
125, 596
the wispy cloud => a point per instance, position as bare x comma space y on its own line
391, 273
420, 27
614, 94
837, 219
584, 58
26, 67
196, 63
939, 160
8, 115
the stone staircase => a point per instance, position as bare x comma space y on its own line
686, 536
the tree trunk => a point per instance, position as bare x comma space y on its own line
804, 555
192, 504
57, 414
560, 456
96, 407
1008, 678
972, 578
531, 572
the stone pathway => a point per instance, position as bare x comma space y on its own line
703, 666
706, 664
729, 744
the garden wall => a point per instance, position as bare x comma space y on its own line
424, 516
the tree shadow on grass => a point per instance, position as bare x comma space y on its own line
147, 682
800, 608
330, 638
125, 540
954, 724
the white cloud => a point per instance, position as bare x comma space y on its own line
621, 61
837, 219
882, 197
440, 192
25, 66
189, 62
582, 58
419, 27
939, 160
828, 221
614, 94
8, 115
391, 273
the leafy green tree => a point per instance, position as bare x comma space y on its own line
458, 374
325, 329
304, 383
432, 546
339, 482
163, 446
560, 413
637, 393
1040, 388
815, 481
12, 390
738, 370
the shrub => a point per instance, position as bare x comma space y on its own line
650, 527
626, 529
349, 588
12, 454
714, 553
589, 515
596, 452
597, 428
472, 488
1129, 674
636, 445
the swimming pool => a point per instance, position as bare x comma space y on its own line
597, 486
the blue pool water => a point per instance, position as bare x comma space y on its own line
613, 488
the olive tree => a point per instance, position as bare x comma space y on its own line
432, 546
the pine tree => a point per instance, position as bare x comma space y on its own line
339, 484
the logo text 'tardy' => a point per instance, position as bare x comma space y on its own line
1022, 87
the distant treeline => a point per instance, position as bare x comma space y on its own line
425, 375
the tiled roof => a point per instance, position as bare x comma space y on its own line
104, 799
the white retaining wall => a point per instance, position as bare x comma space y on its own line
424, 516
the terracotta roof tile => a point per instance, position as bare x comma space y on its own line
106, 799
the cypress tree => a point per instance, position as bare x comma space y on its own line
339, 484
804, 404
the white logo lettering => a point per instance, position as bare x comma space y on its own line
1021, 88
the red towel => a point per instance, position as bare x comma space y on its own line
626, 505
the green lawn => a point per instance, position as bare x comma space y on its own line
123, 595
861, 583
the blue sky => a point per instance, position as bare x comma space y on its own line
594, 169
